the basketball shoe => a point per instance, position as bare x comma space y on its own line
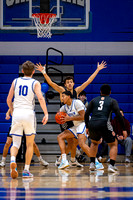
43, 163
75, 163
112, 168
13, 168
64, 164
27, 174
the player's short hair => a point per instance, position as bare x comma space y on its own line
28, 68
105, 89
121, 110
82, 93
68, 78
68, 93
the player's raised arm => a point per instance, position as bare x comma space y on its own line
42, 69
91, 78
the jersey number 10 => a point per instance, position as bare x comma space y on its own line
23, 90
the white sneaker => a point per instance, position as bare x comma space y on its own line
127, 160
75, 163
63, 164
112, 168
92, 166
99, 166
44, 163
2, 163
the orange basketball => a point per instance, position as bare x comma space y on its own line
58, 117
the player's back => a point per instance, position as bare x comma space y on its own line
101, 108
24, 93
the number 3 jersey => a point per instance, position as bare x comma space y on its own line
101, 108
24, 96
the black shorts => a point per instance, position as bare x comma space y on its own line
9, 132
67, 125
98, 130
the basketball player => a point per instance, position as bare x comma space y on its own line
69, 85
8, 144
99, 125
23, 89
75, 110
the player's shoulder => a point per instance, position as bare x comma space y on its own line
78, 102
96, 98
113, 100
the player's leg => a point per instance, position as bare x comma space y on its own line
14, 151
37, 152
112, 142
5, 151
113, 154
28, 155
67, 150
61, 141
73, 161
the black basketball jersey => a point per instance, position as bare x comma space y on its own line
101, 108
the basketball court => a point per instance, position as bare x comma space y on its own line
57, 18
72, 183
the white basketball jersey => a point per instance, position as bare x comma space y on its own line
24, 96
73, 109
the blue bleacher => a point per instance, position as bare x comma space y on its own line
111, 68
104, 78
8, 72
116, 88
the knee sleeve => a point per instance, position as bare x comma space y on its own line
16, 141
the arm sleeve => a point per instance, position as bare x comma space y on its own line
87, 113
116, 110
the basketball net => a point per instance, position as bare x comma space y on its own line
43, 22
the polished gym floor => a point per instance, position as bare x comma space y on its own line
71, 183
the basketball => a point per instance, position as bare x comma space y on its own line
58, 117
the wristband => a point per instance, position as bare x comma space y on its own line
44, 70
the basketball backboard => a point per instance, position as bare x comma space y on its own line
70, 14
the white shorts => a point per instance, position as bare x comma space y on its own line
80, 129
23, 120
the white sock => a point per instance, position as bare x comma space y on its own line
72, 159
13, 159
100, 158
26, 167
3, 158
40, 158
63, 156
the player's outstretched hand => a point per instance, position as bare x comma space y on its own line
40, 68
45, 119
102, 65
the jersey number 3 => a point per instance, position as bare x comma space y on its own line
23, 90
101, 105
